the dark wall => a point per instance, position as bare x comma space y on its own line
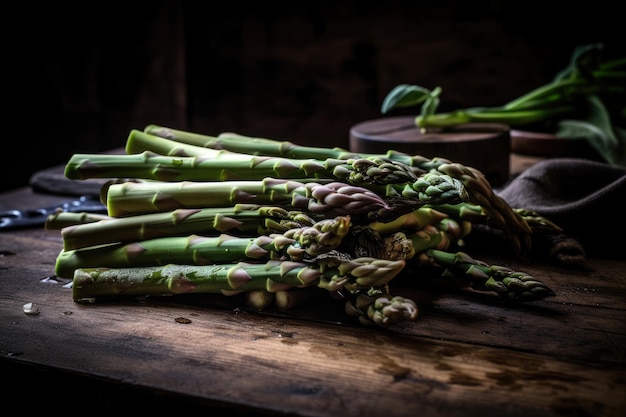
78, 79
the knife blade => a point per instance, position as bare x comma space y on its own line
19, 219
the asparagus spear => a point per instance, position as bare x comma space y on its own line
378, 174
376, 306
61, 219
386, 174
156, 244
223, 166
232, 142
371, 307
331, 199
261, 299
239, 218
139, 142
507, 283
330, 273
477, 189
174, 141
295, 244
291, 298
410, 222
404, 241
482, 203
167, 140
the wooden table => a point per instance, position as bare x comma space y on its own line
467, 354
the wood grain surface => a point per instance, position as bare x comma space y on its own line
468, 353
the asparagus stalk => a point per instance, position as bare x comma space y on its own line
232, 142
61, 219
411, 242
507, 283
295, 244
379, 308
139, 142
261, 299
474, 214
330, 273
477, 189
378, 174
429, 228
410, 222
332, 199
224, 166
538, 222
439, 228
376, 306
158, 237
240, 219
168, 141
291, 298
497, 210
397, 246
389, 174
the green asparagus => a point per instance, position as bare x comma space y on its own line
378, 174
272, 220
330, 199
169, 141
232, 142
505, 282
330, 273
239, 218
220, 165
376, 306
61, 219
295, 244
477, 190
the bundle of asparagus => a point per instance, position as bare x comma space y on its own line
234, 214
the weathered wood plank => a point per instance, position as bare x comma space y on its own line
464, 355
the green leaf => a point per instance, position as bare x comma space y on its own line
404, 95
597, 129
431, 104
614, 65
585, 59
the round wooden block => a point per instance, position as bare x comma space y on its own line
485, 147
548, 145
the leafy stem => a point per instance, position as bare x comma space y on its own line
587, 99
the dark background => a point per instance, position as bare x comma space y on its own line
79, 77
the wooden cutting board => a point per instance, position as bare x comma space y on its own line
485, 147
53, 181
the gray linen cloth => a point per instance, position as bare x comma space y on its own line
584, 197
